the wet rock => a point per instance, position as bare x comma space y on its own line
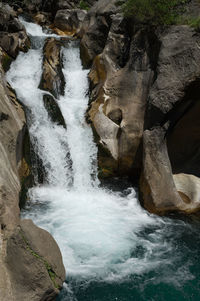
52, 77
43, 19
53, 110
5, 60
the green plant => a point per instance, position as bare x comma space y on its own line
83, 5
154, 12
193, 22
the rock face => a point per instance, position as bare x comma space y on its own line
95, 29
173, 106
121, 75
145, 98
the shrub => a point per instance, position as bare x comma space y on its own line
154, 12
83, 5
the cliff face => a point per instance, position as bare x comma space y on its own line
144, 104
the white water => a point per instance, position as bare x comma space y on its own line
97, 230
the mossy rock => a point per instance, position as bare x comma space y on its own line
6, 61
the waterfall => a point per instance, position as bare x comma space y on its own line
104, 235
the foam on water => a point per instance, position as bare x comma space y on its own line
102, 234
35, 30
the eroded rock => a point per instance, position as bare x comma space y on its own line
172, 110
69, 21
121, 77
52, 77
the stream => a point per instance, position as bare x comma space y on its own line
112, 248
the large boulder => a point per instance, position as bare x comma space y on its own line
188, 186
158, 192
35, 263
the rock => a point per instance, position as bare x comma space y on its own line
121, 77
173, 107
69, 20
53, 110
11, 125
188, 186
12, 43
35, 263
158, 193
95, 29
161, 191
5, 60
43, 18
23, 274
66, 4
13, 37
52, 78
177, 68
183, 139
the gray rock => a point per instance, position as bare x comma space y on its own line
95, 29
69, 20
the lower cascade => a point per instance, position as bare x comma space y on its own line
111, 247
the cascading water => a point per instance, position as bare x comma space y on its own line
112, 248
